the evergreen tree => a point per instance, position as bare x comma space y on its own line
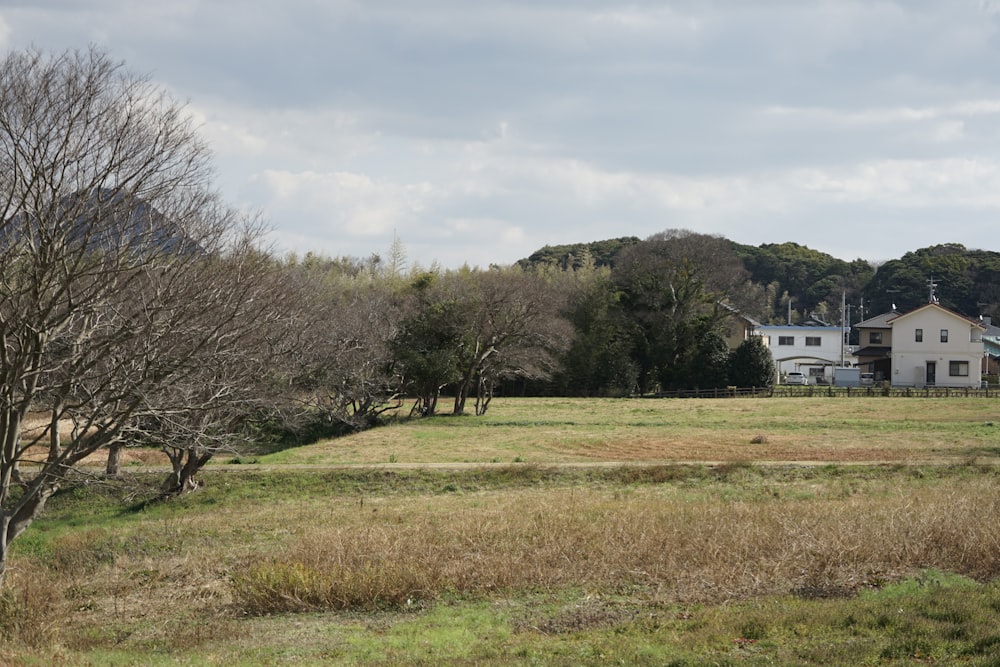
751, 364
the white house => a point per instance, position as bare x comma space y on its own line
813, 350
934, 346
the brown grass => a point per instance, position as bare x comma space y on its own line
674, 548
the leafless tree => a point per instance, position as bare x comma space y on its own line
124, 281
516, 327
339, 368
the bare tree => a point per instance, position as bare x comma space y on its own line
123, 279
516, 328
338, 367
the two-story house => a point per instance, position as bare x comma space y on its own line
928, 346
811, 349
934, 346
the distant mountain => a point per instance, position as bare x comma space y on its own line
101, 220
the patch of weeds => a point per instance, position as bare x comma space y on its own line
989, 645
581, 617
653, 474
753, 630
28, 612
927, 580
83, 551
904, 648
726, 471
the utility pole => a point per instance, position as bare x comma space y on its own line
843, 327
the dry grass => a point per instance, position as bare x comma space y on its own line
194, 576
676, 549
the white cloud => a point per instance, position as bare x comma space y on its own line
352, 204
4, 33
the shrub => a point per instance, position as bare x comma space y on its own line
29, 605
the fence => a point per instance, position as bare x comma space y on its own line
831, 391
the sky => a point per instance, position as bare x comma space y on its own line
478, 132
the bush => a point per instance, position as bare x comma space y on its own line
278, 587
28, 610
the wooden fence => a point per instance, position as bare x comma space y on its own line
831, 392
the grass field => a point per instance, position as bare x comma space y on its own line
550, 531
566, 430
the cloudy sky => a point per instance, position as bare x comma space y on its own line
479, 132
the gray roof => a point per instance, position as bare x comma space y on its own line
879, 321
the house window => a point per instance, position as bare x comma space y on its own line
918, 335
813, 341
875, 337
786, 340
944, 335
958, 368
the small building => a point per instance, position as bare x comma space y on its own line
737, 326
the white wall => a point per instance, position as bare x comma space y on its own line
910, 358
801, 357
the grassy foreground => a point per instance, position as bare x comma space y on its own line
654, 562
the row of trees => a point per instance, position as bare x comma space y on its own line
658, 319
137, 309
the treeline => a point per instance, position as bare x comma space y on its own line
799, 283
615, 317
660, 318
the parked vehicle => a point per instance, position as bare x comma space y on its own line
796, 378
867, 379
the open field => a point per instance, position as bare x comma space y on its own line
672, 559
572, 430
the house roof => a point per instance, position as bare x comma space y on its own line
798, 327
937, 306
738, 313
878, 322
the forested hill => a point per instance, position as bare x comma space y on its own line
577, 255
967, 280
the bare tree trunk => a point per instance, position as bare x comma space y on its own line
114, 465
4, 544
484, 395
186, 463
12, 525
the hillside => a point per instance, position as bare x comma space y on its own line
967, 280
